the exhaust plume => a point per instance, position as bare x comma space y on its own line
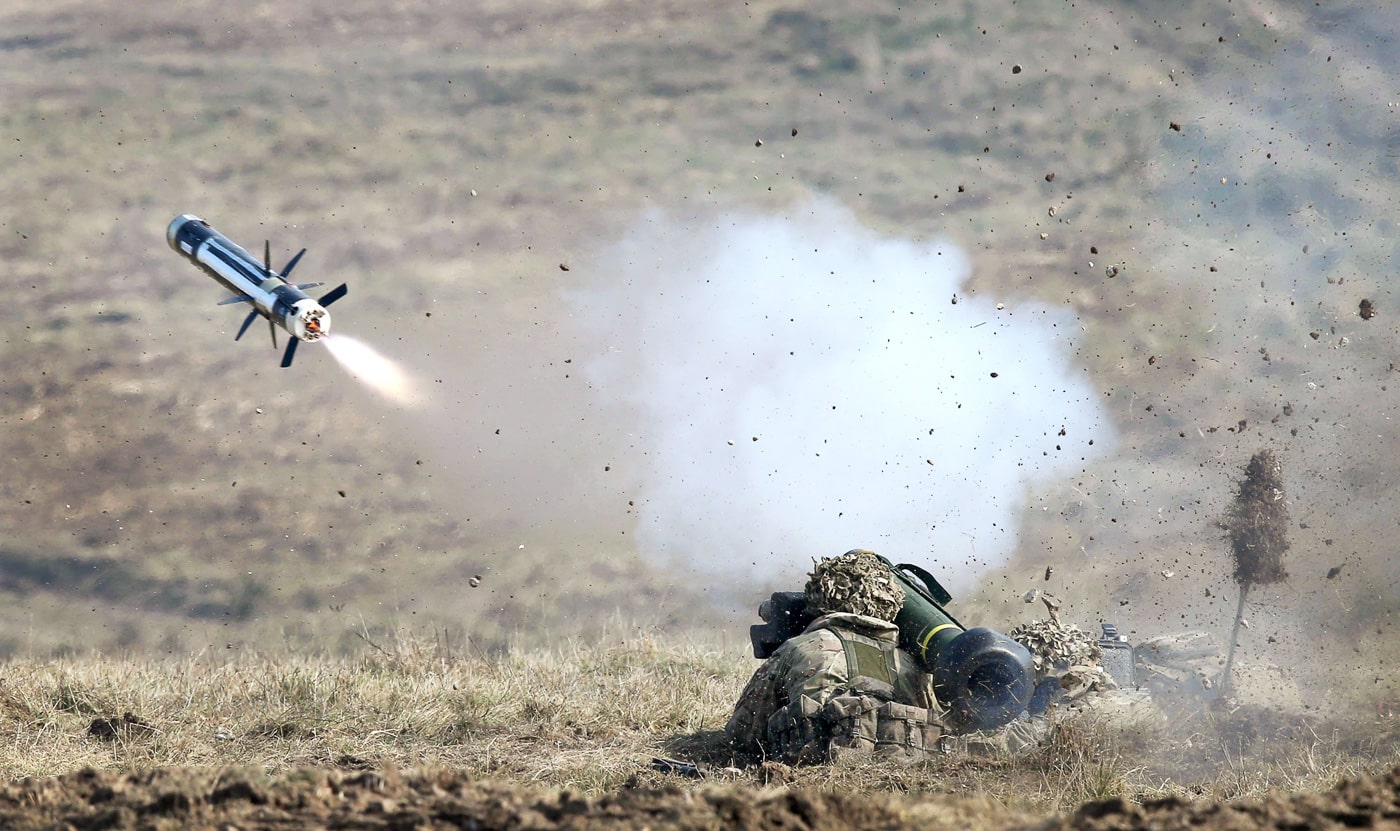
366, 365
798, 385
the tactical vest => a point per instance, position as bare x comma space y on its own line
871, 665
860, 719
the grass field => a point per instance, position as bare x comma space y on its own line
590, 718
1227, 168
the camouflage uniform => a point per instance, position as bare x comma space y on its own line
842, 687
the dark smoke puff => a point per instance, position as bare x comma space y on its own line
1258, 523
857, 581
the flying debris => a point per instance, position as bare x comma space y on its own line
268, 292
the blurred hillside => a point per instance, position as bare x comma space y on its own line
1205, 189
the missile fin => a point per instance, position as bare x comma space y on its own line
267, 258
236, 299
272, 330
334, 294
290, 353
293, 264
247, 321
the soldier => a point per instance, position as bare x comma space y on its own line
842, 687
1071, 686
1066, 658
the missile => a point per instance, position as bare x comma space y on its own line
283, 304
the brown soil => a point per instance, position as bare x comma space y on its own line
1369, 802
342, 799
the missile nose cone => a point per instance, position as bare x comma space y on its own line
172, 232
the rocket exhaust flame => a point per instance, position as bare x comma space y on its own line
374, 370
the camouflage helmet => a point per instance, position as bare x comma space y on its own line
857, 581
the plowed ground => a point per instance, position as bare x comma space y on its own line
339, 799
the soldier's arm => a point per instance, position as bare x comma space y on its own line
761, 697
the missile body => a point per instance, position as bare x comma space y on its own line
283, 304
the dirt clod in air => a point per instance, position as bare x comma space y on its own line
1258, 523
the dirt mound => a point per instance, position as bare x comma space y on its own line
1369, 802
334, 798
331, 798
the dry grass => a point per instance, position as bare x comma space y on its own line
588, 718
451, 159
584, 718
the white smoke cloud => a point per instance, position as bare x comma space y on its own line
801, 385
